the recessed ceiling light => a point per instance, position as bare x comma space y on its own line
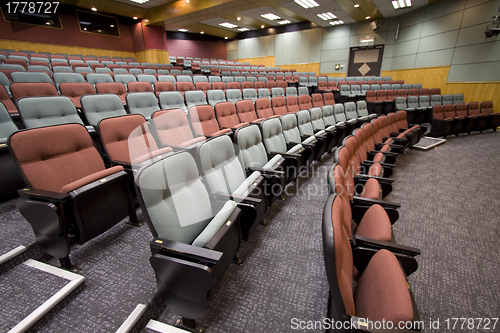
225, 37
111, 25
284, 22
356, 5
228, 25
146, 20
187, 1
85, 29
270, 16
307, 3
243, 29
183, 30
368, 17
327, 16
202, 32
262, 26
135, 17
238, 18
401, 3
337, 22
47, 23
139, 1
94, 9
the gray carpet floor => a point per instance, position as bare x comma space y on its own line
449, 209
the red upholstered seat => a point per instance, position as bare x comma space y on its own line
226, 115
75, 91
140, 86
279, 105
172, 128
246, 111
292, 104
26, 89
116, 88
203, 121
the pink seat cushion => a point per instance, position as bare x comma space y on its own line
375, 224
90, 178
382, 291
372, 189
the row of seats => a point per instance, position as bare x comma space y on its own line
357, 234
450, 119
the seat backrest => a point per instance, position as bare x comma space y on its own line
303, 91
305, 102
423, 101
371, 96
100, 106
461, 110
400, 103
250, 93
317, 100
457, 98
203, 86
221, 169
278, 91
436, 100
246, 110
328, 117
338, 112
26, 89
233, 95
195, 97
416, 86
272, 135
30, 77
292, 104
126, 138
291, 91
291, 132
147, 78
435, 91
171, 100
403, 93
487, 107
94, 78
362, 108
215, 96
140, 86
426, 92
252, 150
329, 98
304, 123
172, 127
279, 105
184, 78
125, 78
413, 102
75, 90
473, 109
350, 110
317, 119
51, 157
203, 121
438, 112
170, 78
449, 111
226, 115
143, 103
263, 108
160, 86
381, 95
447, 99
165, 185
7, 126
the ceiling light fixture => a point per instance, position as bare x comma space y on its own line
47, 23
139, 1
94, 9
327, 16
284, 22
225, 37
262, 26
85, 29
356, 5
401, 4
183, 30
228, 25
238, 18
368, 17
337, 22
202, 32
270, 16
307, 3
111, 25
243, 29
135, 17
